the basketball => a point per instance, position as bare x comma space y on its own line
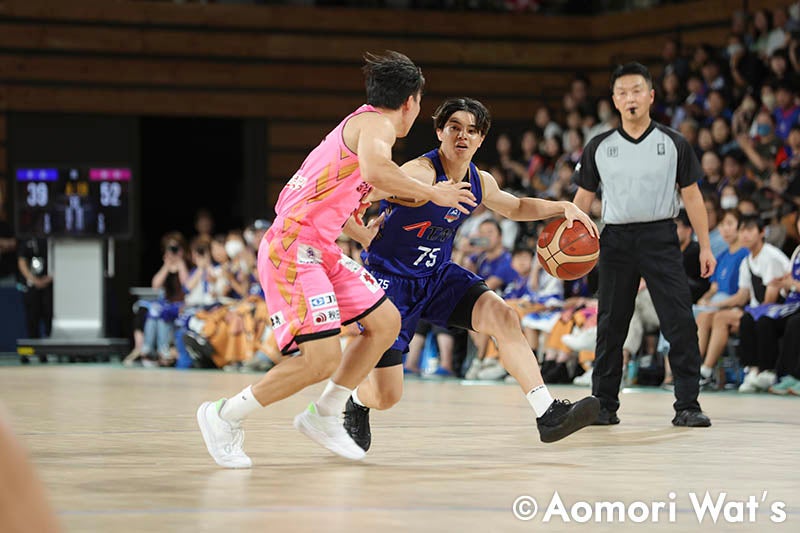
567, 253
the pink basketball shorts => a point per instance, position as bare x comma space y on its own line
312, 289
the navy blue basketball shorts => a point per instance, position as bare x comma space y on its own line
444, 299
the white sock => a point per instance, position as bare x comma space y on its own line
706, 371
356, 399
333, 399
237, 408
540, 399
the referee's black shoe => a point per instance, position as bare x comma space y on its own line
564, 418
356, 423
691, 418
606, 418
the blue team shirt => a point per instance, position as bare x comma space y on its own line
726, 275
500, 266
415, 240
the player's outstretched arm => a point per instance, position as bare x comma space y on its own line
522, 209
375, 140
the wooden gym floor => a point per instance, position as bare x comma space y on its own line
119, 451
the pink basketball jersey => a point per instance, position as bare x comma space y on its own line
326, 190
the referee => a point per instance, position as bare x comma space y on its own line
642, 166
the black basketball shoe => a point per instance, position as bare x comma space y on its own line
564, 418
691, 418
606, 418
356, 423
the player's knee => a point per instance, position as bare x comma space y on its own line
503, 320
389, 397
389, 322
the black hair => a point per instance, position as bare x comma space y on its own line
629, 69
719, 93
494, 223
391, 78
483, 119
735, 213
750, 220
783, 85
522, 249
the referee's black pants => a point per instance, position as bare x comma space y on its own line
649, 250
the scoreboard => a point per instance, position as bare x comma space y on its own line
75, 201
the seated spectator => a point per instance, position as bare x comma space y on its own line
713, 78
786, 111
674, 63
532, 290
493, 264
696, 97
718, 244
170, 279
716, 109
778, 37
515, 171
690, 129
563, 188
763, 326
240, 271
231, 335
712, 173
725, 280
608, 119
747, 206
201, 285
541, 172
560, 360
721, 134
733, 174
761, 151
788, 364
669, 105
762, 25
763, 264
787, 158
545, 124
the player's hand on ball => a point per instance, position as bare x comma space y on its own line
449, 194
572, 213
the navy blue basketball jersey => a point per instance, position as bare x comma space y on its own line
416, 239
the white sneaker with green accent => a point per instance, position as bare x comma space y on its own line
329, 432
223, 439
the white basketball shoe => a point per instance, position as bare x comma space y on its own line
328, 432
223, 439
